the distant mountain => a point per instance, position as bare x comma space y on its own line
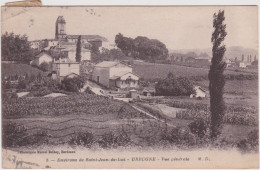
231, 52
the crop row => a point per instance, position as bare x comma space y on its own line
73, 104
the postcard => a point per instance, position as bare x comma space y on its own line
166, 87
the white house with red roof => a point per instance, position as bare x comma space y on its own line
115, 74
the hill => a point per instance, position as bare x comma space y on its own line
231, 52
11, 69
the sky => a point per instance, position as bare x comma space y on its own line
182, 27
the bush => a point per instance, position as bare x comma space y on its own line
172, 86
84, 139
12, 133
15, 136
111, 140
72, 84
199, 127
180, 136
251, 143
45, 66
21, 84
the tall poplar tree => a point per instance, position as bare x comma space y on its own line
216, 75
78, 50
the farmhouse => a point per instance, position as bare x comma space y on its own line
65, 67
148, 91
113, 74
198, 92
41, 58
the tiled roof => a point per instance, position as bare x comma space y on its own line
88, 37
65, 61
107, 64
41, 54
120, 75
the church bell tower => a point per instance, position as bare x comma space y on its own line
60, 33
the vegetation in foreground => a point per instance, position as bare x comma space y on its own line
195, 135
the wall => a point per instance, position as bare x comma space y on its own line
103, 74
85, 55
122, 84
66, 69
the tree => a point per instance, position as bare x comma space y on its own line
142, 48
78, 50
73, 84
16, 48
125, 44
172, 86
216, 75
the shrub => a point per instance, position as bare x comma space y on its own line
172, 86
12, 133
111, 140
21, 84
84, 139
45, 66
15, 136
253, 138
9, 97
180, 136
251, 143
199, 127
72, 84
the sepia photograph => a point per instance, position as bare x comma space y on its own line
129, 87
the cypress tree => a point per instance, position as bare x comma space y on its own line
78, 50
216, 75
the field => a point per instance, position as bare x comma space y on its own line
154, 71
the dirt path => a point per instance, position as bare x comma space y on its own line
150, 115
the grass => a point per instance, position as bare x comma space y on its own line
238, 92
19, 69
155, 71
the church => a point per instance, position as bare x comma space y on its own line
64, 46
88, 40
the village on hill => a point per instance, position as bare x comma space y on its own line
114, 76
